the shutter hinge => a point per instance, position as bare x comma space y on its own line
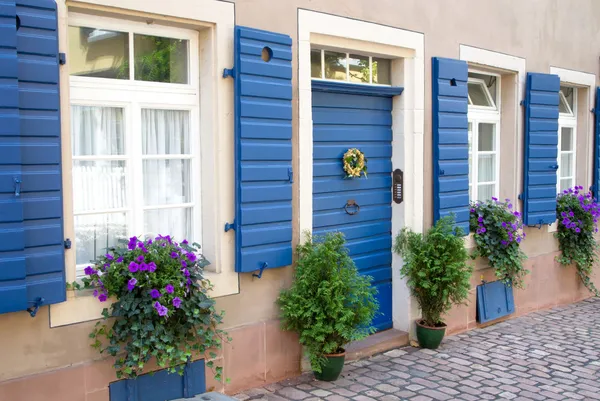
260, 272
62, 58
36, 305
230, 226
68, 243
228, 72
290, 175
520, 196
523, 103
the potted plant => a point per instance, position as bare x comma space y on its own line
435, 265
329, 303
160, 306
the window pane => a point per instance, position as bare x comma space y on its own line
94, 234
566, 165
490, 82
97, 131
566, 183
165, 132
566, 138
569, 96
382, 71
359, 68
487, 137
99, 185
486, 170
478, 95
315, 63
335, 65
486, 191
160, 59
167, 182
174, 222
98, 53
470, 135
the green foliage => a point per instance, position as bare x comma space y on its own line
329, 303
498, 234
165, 62
435, 265
161, 306
578, 214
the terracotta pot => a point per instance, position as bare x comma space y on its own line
430, 337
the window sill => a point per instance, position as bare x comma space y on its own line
81, 306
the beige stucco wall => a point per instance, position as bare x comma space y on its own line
562, 33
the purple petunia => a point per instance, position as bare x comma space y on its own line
154, 293
102, 297
191, 257
183, 263
131, 284
174, 255
109, 256
151, 267
186, 272
134, 267
95, 293
578, 230
480, 219
503, 224
177, 302
132, 243
89, 271
169, 289
140, 259
162, 310
120, 259
143, 267
184, 242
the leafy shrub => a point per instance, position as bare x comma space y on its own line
435, 265
329, 303
161, 305
578, 214
498, 234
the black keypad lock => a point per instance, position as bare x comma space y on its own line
398, 186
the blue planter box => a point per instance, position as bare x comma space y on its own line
161, 385
494, 300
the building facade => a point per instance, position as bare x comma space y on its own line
113, 147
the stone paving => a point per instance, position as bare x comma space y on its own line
548, 355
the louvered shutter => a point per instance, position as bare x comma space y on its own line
541, 149
31, 228
263, 149
450, 140
596, 183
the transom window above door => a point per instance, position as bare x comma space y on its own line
567, 133
484, 136
135, 137
350, 67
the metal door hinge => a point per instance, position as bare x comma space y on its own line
230, 226
68, 243
62, 58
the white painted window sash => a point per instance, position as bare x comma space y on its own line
567, 120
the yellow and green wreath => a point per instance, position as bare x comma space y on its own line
355, 163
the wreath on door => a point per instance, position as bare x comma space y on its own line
355, 163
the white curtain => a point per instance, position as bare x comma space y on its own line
167, 180
98, 185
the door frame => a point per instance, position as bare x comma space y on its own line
406, 48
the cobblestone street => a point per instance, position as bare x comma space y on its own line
548, 355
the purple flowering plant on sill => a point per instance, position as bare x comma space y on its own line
161, 307
498, 233
578, 213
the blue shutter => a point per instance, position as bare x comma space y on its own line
450, 140
31, 230
596, 183
494, 300
263, 149
161, 385
541, 149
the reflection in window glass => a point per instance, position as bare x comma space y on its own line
159, 59
568, 98
315, 63
489, 81
382, 71
359, 68
98, 53
478, 95
95, 234
335, 65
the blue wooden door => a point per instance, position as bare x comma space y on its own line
342, 119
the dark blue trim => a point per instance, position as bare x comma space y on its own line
355, 89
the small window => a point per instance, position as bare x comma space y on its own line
482, 90
566, 101
350, 67
160, 59
567, 133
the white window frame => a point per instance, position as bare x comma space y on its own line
490, 115
133, 96
323, 50
568, 120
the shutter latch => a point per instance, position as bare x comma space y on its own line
36, 305
17, 187
68, 243
290, 175
228, 72
230, 226
62, 58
